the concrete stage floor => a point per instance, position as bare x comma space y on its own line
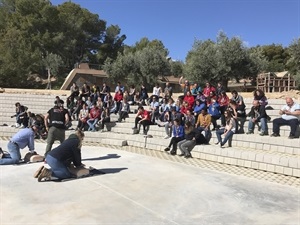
139, 189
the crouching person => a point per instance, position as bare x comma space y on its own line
142, 118
20, 140
192, 137
60, 157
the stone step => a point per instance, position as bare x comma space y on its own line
245, 157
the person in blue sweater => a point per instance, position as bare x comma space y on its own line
214, 111
199, 105
177, 135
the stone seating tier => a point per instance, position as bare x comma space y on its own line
280, 155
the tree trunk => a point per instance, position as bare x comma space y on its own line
49, 79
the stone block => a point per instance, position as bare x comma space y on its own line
226, 160
252, 145
233, 161
287, 171
266, 147
294, 162
279, 169
230, 153
220, 159
289, 150
251, 156
237, 153
262, 166
247, 163
259, 146
284, 161
245, 155
296, 172
275, 159
270, 168
254, 165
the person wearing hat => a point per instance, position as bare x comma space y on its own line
61, 157
20, 140
56, 121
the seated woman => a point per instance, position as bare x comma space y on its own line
178, 135
60, 157
125, 109
105, 118
192, 137
83, 117
228, 131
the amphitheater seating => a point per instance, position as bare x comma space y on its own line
274, 154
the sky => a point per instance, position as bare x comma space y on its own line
178, 23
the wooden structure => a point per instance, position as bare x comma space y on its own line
276, 82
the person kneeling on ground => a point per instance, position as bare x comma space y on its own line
192, 137
20, 140
59, 159
228, 131
178, 135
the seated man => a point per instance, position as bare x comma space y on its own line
290, 114
154, 108
142, 118
125, 109
203, 124
258, 114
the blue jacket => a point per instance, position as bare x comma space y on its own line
214, 109
178, 131
198, 108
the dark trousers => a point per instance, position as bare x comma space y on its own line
122, 115
173, 143
53, 135
105, 120
145, 123
280, 122
223, 120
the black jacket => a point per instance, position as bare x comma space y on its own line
258, 113
68, 151
200, 139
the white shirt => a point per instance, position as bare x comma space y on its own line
294, 108
156, 91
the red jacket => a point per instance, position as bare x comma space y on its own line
118, 97
223, 100
189, 99
95, 113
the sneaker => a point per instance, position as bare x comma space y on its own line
250, 132
38, 172
291, 137
166, 137
45, 174
275, 135
17, 125
262, 133
167, 149
216, 143
134, 128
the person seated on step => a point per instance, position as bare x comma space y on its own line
131, 95
143, 95
118, 98
21, 116
94, 117
198, 108
239, 113
214, 111
154, 109
290, 115
228, 131
83, 117
258, 114
190, 99
142, 118
192, 137
169, 121
203, 123
189, 117
22, 139
177, 135
105, 118
125, 109
60, 157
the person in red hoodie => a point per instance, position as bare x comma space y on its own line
118, 100
189, 98
93, 117
208, 88
142, 118
184, 108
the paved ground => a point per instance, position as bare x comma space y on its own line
139, 189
